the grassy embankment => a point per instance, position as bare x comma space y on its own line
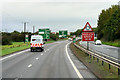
112, 43
101, 71
16, 46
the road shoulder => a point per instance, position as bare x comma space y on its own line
84, 71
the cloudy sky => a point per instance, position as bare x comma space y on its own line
56, 15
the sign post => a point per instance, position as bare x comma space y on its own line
87, 34
87, 45
74, 39
26, 39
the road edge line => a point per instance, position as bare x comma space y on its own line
13, 54
73, 65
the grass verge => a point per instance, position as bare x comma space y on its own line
101, 71
17, 46
114, 43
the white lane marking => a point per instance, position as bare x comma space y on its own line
48, 49
14, 54
76, 70
107, 49
42, 54
30, 65
18, 54
37, 58
45, 51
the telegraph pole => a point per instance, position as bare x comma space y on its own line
24, 30
24, 26
33, 29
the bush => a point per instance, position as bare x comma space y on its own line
17, 37
6, 40
54, 37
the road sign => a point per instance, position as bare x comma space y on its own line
63, 33
45, 33
74, 39
88, 36
87, 28
26, 38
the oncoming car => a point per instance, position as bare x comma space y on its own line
69, 39
37, 43
98, 42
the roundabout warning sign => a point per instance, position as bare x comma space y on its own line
87, 33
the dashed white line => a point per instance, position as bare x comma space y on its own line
30, 65
74, 67
42, 54
37, 58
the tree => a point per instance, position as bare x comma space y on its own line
108, 27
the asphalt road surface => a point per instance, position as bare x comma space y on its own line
56, 61
103, 49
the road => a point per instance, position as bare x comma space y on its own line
103, 49
57, 61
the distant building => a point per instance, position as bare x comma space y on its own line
53, 32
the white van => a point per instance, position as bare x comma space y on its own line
37, 43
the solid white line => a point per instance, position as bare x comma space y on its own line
30, 65
14, 54
76, 70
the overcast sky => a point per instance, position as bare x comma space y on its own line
55, 15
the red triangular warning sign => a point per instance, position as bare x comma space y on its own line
87, 28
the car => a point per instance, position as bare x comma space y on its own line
69, 39
98, 42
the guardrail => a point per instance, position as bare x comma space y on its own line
104, 54
101, 57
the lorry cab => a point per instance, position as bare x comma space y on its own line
37, 43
